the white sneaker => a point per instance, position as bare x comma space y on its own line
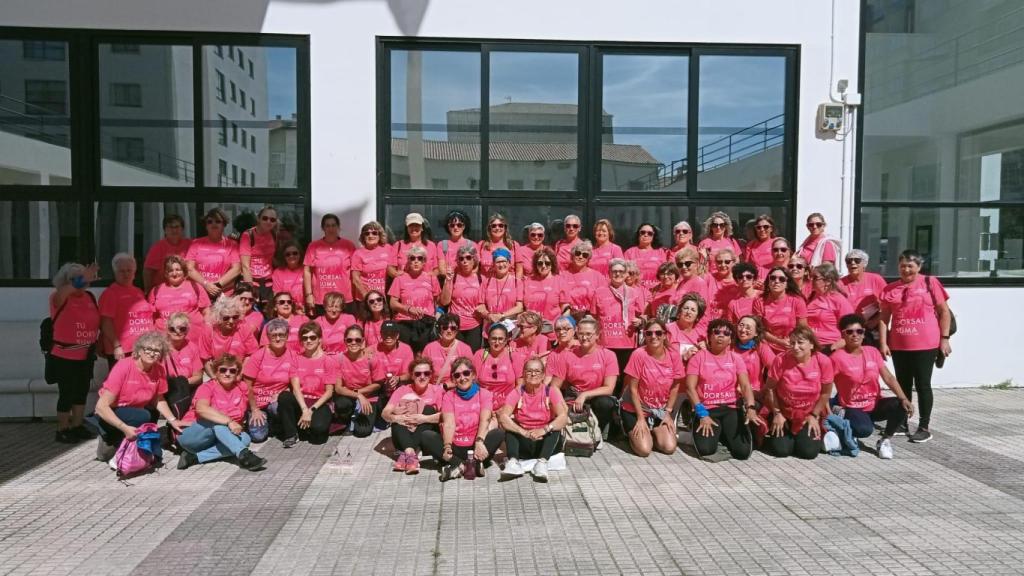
512, 468
113, 463
540, 470
831, 441
884, 449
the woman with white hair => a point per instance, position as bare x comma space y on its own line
414, 297
580, 281
462, 296
717, 235
863, 289
524, 257
124, 311
564, 247
227, 333
267, 373
76, 326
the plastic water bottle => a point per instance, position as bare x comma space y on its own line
346, 462
469, 468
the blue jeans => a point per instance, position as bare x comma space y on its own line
262, 432
134, 417
209, 441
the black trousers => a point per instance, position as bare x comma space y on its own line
345, 407
289, 412
416, 333
403, 438
433, 444
914, 371
788, 444
889, 409
73, 378
729, 430
473, 337
525, 448
604, 408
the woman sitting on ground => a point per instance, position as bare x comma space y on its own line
412, 410
533, 418
756, 354
216, 419
782, 307
859, 396
713, 377
796, 394
466, 412
305, 409
268, 373
586, 374
653, 377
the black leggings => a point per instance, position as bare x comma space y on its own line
73, 380
914, 370
889, 409
729, 430
528, 449
416, 333
622, 358
345, 407
800, 444
403, 438
473, 337
289, 412
433, 444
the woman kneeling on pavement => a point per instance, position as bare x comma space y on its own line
412, 410
587, 374
533, 418
216, 428
859, 397
796, 394
465, 426
305, 408
268, 373
712, 378
654, 375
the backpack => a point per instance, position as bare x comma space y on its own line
581, 434
139, 456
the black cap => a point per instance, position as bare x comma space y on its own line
389, 326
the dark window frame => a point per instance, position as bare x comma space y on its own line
83, 107
588, 191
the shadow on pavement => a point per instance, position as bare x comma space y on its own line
26, 445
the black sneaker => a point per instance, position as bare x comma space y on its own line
451, 471
187, 459
290, 442
82, 433
250, 461
65, 437
921, 436
901, 431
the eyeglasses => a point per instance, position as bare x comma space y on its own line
543, 263
763, 227
497, 226
462, 373
586, 335
854, 331
226, 370
563, 328
815, 278
465, 258
533, 371
686, 263
723, 262
152, 351
456, 224
417, 259
777, 279
278, 336
268, 218
177, 329
780, 249
795, 266
536, 234
815, 224
422, 373
371, 233
616, 271
283, 302
582, 254
374, 300
853, 260
290, 254
450, 327
722, 332
572, 226
654, 333
718, 224
746, 276
646, 233
232, 318
682, 231
353, 340
310, 338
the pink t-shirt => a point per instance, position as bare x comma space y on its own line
330, 263
77, 324
713, 246
448, 251
563, 252
184, 362
656, 378
133, 387
498, 374
741, 306
524, 257
616, 309
372, 266
289, 280
544, 296
863, 295
232, 402
421, 292
659, 297
466, 296
534, 410
759, 253
914, 325
780, 316
500, 295
648, 261
295, 321
583, 372
159, 251
682, 340
360, 373
856, 377
407, 395
580, 287
823, 314
395, 361
720, 292
271, 374
130, 312
371, 332
603, 255
254, 321
442, 359
536, 349
333, 339
466, 413
261, 253
400, 255
186, 297
799, 386
213, 259
487, 257
717, 376
315, 375
757, 359
807, 250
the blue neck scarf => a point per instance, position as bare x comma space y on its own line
748, 345
469, 393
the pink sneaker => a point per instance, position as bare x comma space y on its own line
412, 464
401, 463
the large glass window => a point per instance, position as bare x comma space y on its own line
948, 184
36, 238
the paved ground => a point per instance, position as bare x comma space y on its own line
954, 505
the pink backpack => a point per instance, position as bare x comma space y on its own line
130, 458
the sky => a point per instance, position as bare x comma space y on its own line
281, 82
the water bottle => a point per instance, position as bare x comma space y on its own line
469, 467
346, 462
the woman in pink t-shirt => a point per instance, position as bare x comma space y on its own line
124, 311
284, 309
781, 253
497, 369
647, 253
305, 409
826, 306
412, 410
684, 338
664, 294
443, 351
796, 395
742, 303
413, 298
373, 313
543, 291
174, 242
759, 251
333, 323
362, 377
416, 235
800, 272
524, 256
682, 236
580, 281
466, 434
530, 343
457, 224
718, 234
327, 266
463, 296
134, 384
858, 395
256, 249
716, 378
721, 287
818, 247
690, 278
370, 261
252, 318
571, 226
226, 333
501, 293
268, 373
288, 274
863, 289
915, 328
213, 261
533, 417
756, 354
497, 236
183, 364
782, 308
587, 374
217, 418
618, 308
605, 248
654, 376
633, 280
177, 294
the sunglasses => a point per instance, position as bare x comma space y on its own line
783, 249
497, 226
417, 259
422, 373
582, 254
290, 254
646, 233
654, 333
233, 318
795, 267
353, 340
268, 218
536, 234
853, 260
284, 302
854, 331
780, 279
177, 329
462, 373
723, 262
616, 271
686, 263
722, 332
456, 224
310, 338
543, 263
815, 224
572, 226
746, 276
763, 227
465, 258
449, 328
371, 233
718, 224
226, 370
682, 231
152, 351
374, 300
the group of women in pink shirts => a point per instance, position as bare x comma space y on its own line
744, 337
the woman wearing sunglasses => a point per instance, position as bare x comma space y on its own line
416, 235
826, 306
647, 253
580, 281
362, 377
463, 296
800, 272
587, 374
268, 373
781, 253
691, 273
716, 378
284, 309
305, 408
533, 417
414, 297
796, 394
682, 236
543, 291
413, 409
757, 355
497, 236
182, 363
333, 323
177, 294
782, 307
717, 235
288, 275
571, 225
859, 397
654, 375
633, 281
373, 313
759, 250
496, 368
530, 343
456, 223
742, 303
466, 432
213, 261
818, 247
327, 265
252, 318
721, 286
256, 249
443, 351
524, 256
370, 261
605, 248
216, 428
863, 289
